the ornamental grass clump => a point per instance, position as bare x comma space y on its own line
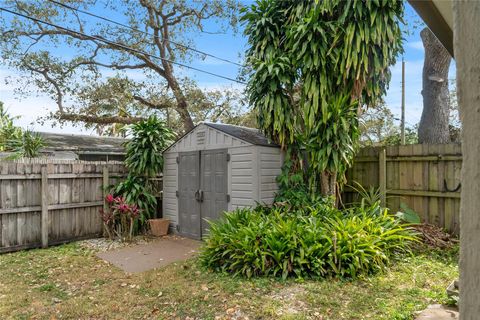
318, 241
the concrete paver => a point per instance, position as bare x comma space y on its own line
438, 312
158, 253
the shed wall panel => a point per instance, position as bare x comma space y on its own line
270, 166
243, 180
170, 186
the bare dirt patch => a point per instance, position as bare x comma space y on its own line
291, 301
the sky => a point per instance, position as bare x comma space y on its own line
231, 46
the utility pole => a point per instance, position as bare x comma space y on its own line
402, 124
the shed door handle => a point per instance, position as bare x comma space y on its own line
201, 195
197, 195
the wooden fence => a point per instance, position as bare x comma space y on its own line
425, 177
46, 202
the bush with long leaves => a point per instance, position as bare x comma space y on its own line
318, 241
144, 150
119, 217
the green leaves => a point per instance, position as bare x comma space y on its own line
408, 215
313, 64
21, 143
144, 160
139, 191
315, 241
144, 151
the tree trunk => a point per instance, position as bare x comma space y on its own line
328, 183
182, 105
433, 126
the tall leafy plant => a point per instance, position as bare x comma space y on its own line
315, 65
144, 160
20, 143
144, 150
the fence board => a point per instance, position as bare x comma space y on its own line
424, 177
71, 198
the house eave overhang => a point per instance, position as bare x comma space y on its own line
438, 15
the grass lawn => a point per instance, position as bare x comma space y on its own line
70, 282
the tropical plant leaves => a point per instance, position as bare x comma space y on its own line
313, 64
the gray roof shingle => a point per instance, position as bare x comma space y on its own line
251, 135
74, 142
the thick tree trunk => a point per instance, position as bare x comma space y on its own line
328, 183
433, 126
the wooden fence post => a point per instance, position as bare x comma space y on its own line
105, 184
382, 176
45, 201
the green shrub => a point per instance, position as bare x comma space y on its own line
144, 160
318, 241
138, 191
20, 143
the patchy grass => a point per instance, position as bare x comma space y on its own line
70, 282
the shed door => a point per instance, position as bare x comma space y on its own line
188, 185
214, 186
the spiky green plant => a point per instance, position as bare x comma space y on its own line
20, 143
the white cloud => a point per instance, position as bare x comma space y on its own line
221, 86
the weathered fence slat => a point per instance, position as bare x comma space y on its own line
424, 177
44, 190
45, 202
382, 176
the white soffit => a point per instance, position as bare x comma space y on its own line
445, 9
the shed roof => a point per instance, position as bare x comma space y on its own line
250, 135
83, 143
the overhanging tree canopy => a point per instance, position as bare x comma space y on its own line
68, 58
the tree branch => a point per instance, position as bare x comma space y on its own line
152, 105
53, 82
98, 119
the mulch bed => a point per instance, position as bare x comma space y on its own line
434, 236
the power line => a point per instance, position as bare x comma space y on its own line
119, 45
144, 32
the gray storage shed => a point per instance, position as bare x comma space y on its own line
216, 168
